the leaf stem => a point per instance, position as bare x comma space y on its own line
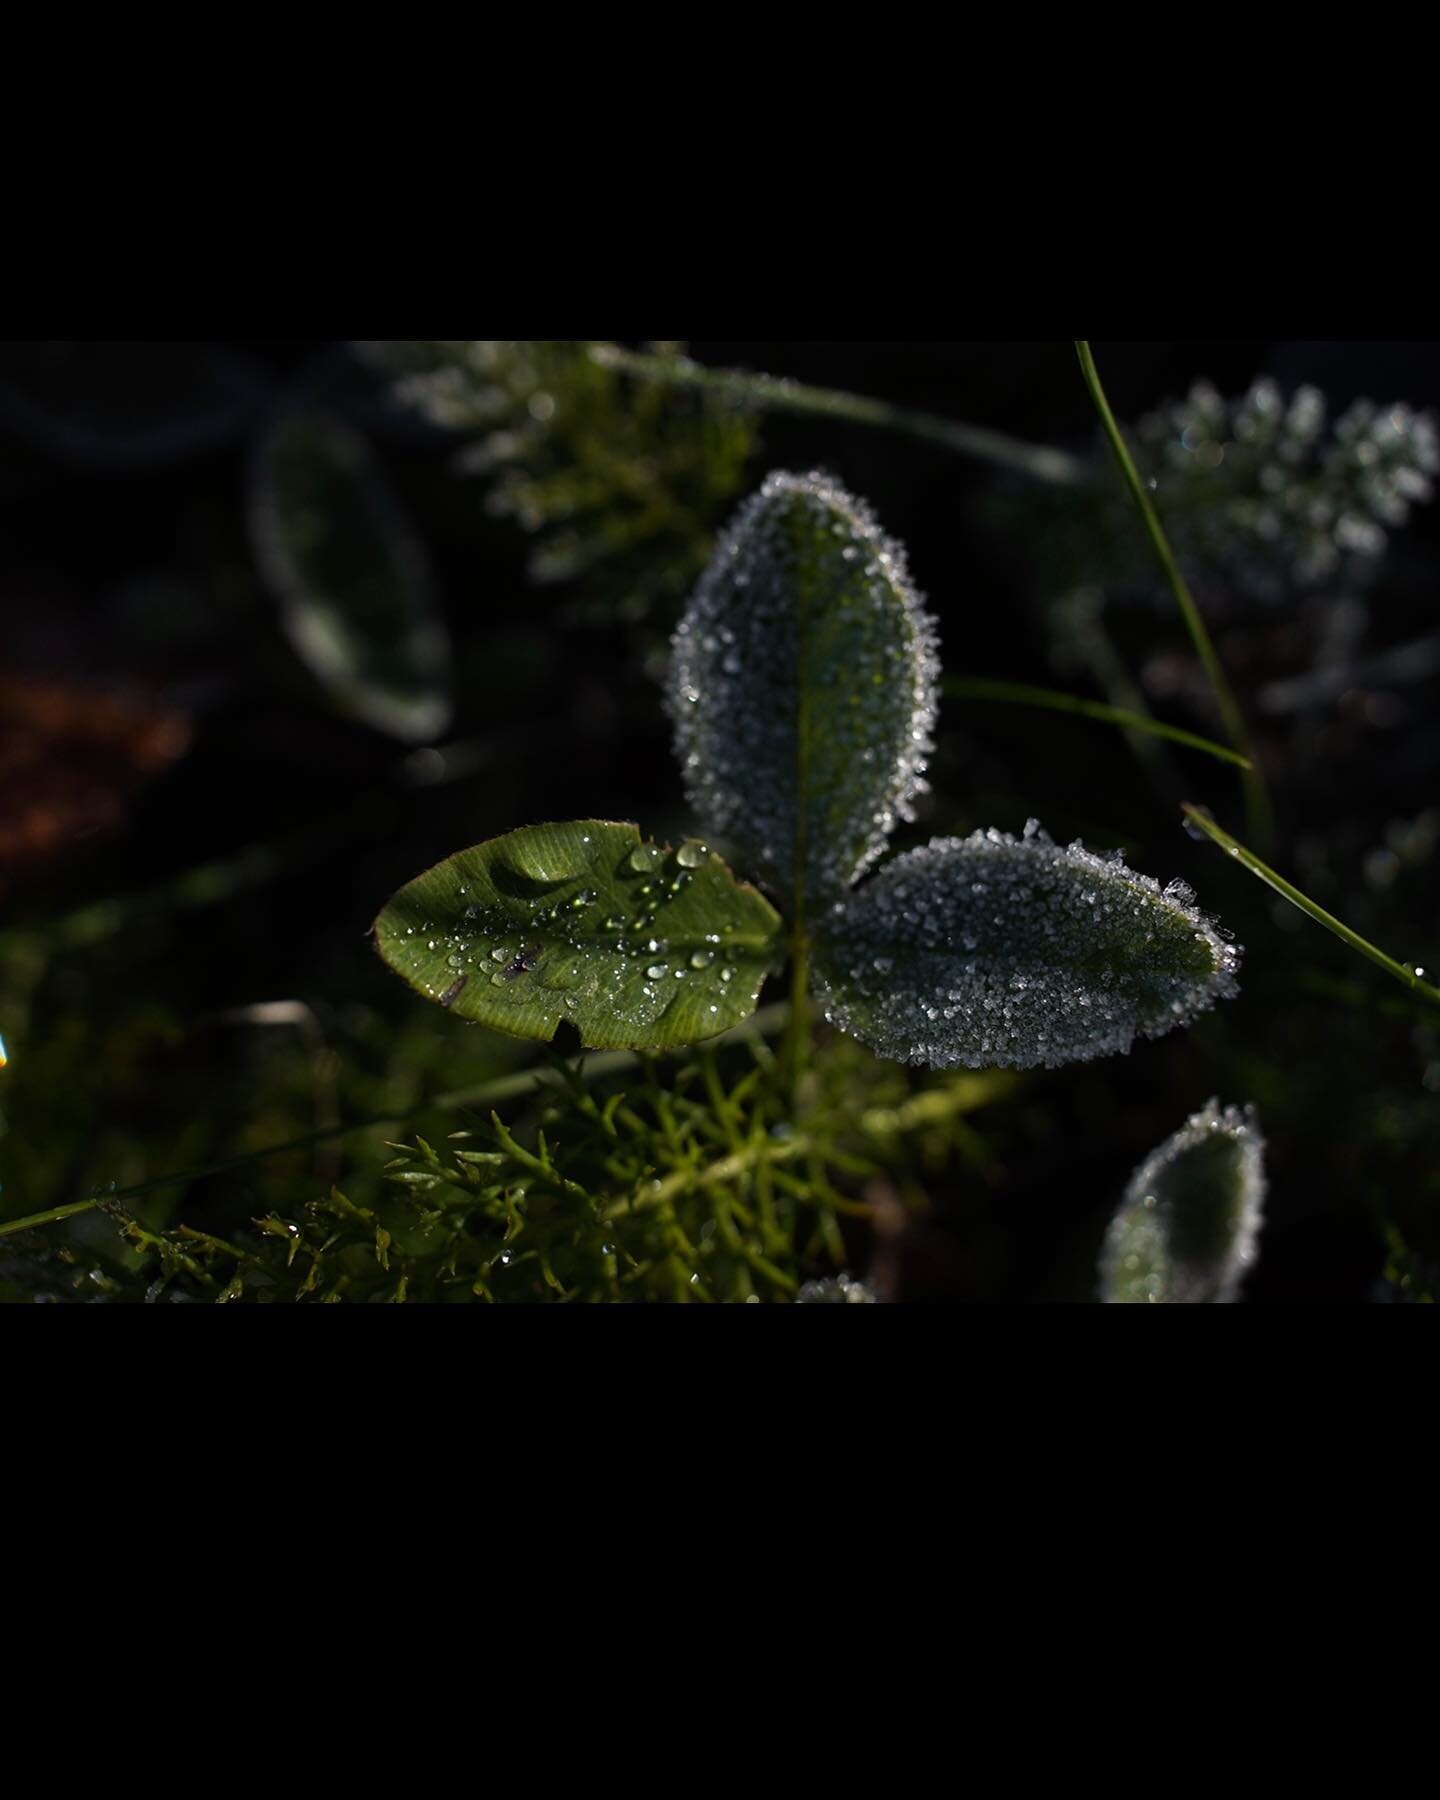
1402, 972
797, 1032
778, 394
1259, 817
965, 687
1085, 620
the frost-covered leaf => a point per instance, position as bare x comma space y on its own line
351, 575
641, 947
802, 686
1000, 952
1185, 1232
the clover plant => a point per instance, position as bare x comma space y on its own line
802, 686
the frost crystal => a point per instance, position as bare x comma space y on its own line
1000, 952
1185, 1232
803, 686
836, 1290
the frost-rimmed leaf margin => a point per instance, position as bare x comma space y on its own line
338, 550
640, 946
994, 951
1186, 1231
803, 687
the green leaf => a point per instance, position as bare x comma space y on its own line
802, 686
351, 575
999, 952
641, 947
1185, 1232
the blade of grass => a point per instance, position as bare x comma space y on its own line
1085, 623
1402, 972
1258, 815
966, 687
776, 394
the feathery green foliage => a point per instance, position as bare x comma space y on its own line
690, 1182
619, 485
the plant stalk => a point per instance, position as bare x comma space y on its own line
797, 1029
1258, 814
777, 394
966, 687
1402, 972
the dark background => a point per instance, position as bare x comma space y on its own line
132, 570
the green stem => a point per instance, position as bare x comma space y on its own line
797, 1033
51, 1216
1259, 818
776, 394
1410, 977
1096, 646
965, 687
507, 1087
728, 1168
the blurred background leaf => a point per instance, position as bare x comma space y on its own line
352, 575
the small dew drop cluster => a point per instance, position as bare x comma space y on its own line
1000, 952
802, 686
1186, 1231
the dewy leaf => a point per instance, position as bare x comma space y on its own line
351, 575
802, 686
1000, 952
1185, 1232
642, 948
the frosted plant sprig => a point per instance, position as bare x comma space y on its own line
1257, 799
803, 692
1268, 500
1186, 1230
1260, 500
